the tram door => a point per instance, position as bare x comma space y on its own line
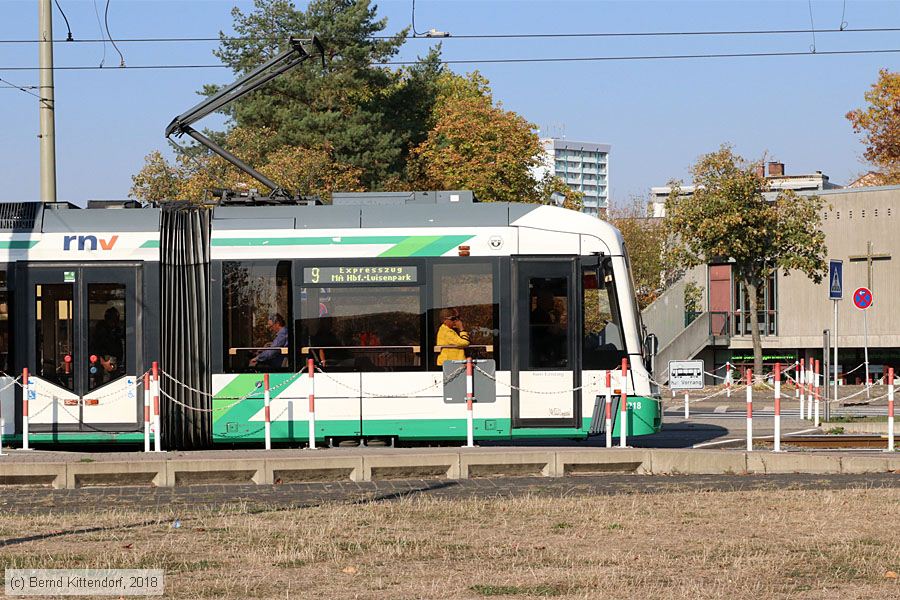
82, 348
544, 369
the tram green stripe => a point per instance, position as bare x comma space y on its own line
442, 245
413, 245
308, 241
410, 246
18, 244
150, 244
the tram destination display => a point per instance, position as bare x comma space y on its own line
686, 374
349, 274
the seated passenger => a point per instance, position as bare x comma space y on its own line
325, 345
451, 337
272, 356
108, 347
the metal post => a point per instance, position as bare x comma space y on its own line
147, 412
311, 371
866, 349
470, 397
749, 410
811, 387
157, 423
26, 396
623, 405
2, 427
728, 380
835, 396
826, 346
801, 383
687, 409
777, 407
890, 377
608, 408
47, 103
267, 413
816, 422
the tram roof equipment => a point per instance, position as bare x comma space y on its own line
299, 51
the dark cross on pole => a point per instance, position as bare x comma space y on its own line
869, 258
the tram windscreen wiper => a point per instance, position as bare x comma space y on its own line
300, 50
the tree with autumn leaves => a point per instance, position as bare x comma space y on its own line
357, 125
729, 218
879, 124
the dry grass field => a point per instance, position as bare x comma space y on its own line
735, 545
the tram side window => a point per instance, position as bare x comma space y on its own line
371, 328
463, 301
5, 346
602, 345
54, 333
256, 312
106, 332
548, 323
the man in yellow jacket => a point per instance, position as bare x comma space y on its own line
451, 337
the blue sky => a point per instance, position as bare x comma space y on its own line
657, 115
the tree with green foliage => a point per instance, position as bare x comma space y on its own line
645, 239
304, 171
370, 115
358, 121
879, 122
729, 218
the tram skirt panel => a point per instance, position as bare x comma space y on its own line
184, 289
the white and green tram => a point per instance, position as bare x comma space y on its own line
225, 297
359, 285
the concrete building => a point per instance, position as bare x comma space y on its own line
583, 166
860, 226
777, 181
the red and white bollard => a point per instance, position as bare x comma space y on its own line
147, 412
728, 380
157, 424
623, 406
810, 389
777, 407
749, 410
801, 384
26, 396
470, 400
890, 378
817, 393
267, 413
311, 416
608, 408
797, 382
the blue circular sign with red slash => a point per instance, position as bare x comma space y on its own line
862, 298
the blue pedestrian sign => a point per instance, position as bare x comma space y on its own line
835, 280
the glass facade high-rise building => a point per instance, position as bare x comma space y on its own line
583, 166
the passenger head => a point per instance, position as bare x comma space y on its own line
111, 315
545, 299
276, 322
449, 316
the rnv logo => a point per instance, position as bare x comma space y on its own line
88, 242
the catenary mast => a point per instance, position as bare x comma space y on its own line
47, 115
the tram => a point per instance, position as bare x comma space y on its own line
91, 297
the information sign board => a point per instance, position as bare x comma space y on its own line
835, 279
686, 374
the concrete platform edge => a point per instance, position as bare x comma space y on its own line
182, 469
